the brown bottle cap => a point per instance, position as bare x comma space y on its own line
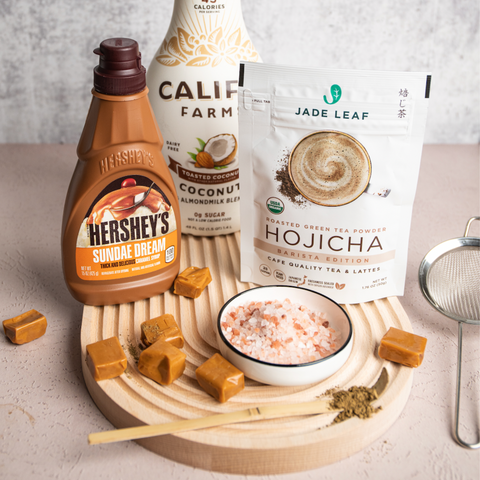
120, 70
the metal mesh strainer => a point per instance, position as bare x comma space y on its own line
449, 277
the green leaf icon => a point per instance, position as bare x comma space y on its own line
202, 146
201, 142
336, 92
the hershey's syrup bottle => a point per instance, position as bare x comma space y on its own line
193, 83
121, 223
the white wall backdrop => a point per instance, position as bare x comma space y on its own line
46, 57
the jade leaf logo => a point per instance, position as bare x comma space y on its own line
336, 92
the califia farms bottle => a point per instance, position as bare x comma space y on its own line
193, 83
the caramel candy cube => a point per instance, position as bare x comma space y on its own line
162, 362
192, 281
106, 359
163, 327
219, 378
402, 347
25, 327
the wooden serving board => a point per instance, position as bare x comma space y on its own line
263, 447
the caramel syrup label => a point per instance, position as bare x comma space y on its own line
129, 230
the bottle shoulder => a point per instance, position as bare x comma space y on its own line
215, 37
117, 125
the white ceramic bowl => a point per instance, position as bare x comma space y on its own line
290, 375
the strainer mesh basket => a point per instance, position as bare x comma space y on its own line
453, 282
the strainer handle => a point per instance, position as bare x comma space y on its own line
459, 378
468, 225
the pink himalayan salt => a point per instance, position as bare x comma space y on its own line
279, 332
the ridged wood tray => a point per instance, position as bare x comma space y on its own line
262, 447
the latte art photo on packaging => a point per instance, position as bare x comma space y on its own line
331, 161
330, 168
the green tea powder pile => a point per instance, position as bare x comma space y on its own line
355, 402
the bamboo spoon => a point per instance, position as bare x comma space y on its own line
251, 414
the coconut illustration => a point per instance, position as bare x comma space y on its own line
218, 151
222, 148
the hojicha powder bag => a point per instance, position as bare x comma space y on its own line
330, 162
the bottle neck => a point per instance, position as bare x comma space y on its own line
120, 98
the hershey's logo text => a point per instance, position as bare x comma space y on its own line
126, 157
128, 229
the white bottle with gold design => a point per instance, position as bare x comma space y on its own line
193, 83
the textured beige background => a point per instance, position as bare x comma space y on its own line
46, 64
46, 412
46, 57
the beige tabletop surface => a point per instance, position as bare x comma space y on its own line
46, 412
